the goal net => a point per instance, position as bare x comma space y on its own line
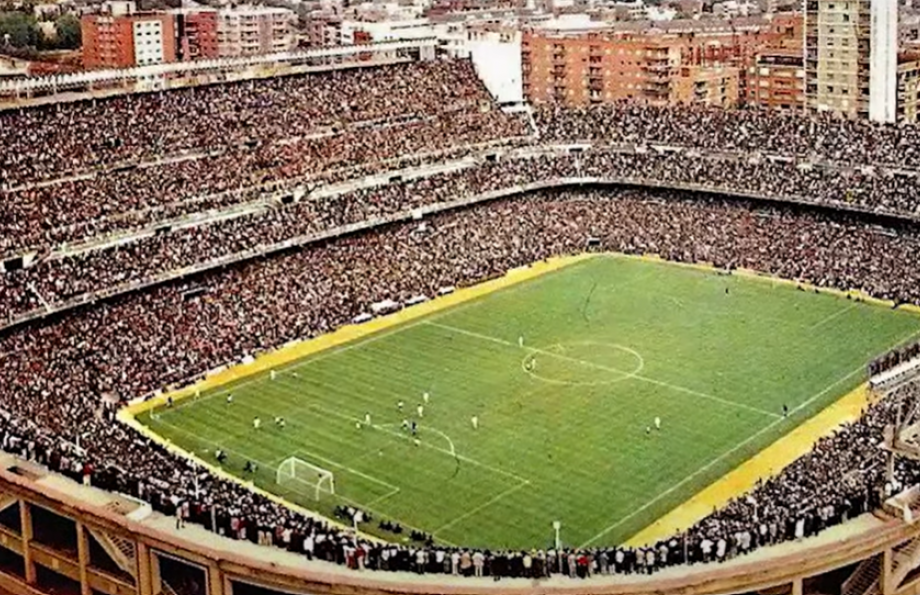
294, 472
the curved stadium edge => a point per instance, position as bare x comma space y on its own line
230, 562
764, 464
813, 556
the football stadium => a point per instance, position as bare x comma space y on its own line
339, 322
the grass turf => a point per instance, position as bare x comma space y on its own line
617, 342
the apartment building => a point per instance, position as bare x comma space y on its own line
250, 30
851, 49
908, 89
121, 37
676, 62
196, 33
777, 80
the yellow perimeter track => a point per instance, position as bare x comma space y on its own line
743, 478
301, 349
765, 464
353, 332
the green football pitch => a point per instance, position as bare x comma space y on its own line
609, 344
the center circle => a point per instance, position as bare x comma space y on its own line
582, 363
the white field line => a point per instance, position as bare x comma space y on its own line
267, 465
385, 428
481, 507
311, 454
393, 490
452, 452
299, 363
327, 353
724, 455
608, 369
832, 316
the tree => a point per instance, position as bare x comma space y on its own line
68, 32
18, 29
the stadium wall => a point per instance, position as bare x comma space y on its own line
229, 564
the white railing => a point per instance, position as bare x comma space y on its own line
25, 85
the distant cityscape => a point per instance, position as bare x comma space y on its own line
858, 58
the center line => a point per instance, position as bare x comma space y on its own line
639, 377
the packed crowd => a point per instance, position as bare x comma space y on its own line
63, 377
207, 158
158, 156
132, 197
47, 142
824, 136
894, 358
58, 280
79, 170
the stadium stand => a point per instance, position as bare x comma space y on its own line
748, 131
60, 371
82, 171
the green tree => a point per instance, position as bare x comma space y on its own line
68, 32
18, 29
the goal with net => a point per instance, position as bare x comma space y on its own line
294, 472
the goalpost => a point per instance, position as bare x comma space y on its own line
294, 471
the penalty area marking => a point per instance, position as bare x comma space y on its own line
268, 465
452, 451
552, 352
481, 507
386, 429
393, 490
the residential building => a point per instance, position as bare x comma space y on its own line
121, 37
777, 80
323, 28
908, 109
673, 62
706, 85
851, 57
248, 30
196, 32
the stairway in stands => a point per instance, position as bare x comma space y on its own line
865, 579
119, 549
